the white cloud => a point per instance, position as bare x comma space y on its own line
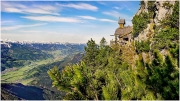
88, 17
52, 19
122, 16
118, 8
82, 6
12, 4
20, 26
127, 6
117, 14
30, 31
64, 19
7, 22
112, 13
40, 11
102, 3
47, 7
106, 20
13, 7
93, 18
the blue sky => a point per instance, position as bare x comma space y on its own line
64, 21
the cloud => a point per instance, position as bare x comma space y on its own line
88, 17
47, 7
7, 22
21, 26
117, 15
30, 31
81, 6
106, 20
127, 6
64, 19
102, 3
93, 18
13, 7
118, 8
12, 4
39, 11
112, 13
53, 19
122, 16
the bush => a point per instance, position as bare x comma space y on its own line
151, 8
172, 20
165, 37
143, 46
139, 23
167, 5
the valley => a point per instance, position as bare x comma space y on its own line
19, 75
31, 76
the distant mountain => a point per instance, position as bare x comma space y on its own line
41, 85
16, 54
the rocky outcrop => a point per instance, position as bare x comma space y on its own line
160, 9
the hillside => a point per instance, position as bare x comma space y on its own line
147, 68
18, 54
20, 92
31, 76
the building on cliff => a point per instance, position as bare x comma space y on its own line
123, 34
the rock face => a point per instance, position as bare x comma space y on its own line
160, 11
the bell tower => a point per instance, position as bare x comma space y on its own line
121, 22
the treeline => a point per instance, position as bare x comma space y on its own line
104, 75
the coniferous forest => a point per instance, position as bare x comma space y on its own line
137, 71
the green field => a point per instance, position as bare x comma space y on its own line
19, 75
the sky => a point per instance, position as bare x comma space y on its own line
64, 21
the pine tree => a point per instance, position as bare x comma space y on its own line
91, 52
163, 78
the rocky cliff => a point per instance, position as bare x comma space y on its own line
158, 10
153, 19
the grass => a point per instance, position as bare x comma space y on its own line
27, 81
18, 76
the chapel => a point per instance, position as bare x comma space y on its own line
123, 34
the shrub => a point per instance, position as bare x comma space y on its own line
167, 5
139, 23
151, 8
165, 37
143, 46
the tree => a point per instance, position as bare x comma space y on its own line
163, 77
91, 51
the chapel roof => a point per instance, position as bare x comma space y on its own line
122, 31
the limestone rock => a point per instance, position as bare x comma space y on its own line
160, 12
